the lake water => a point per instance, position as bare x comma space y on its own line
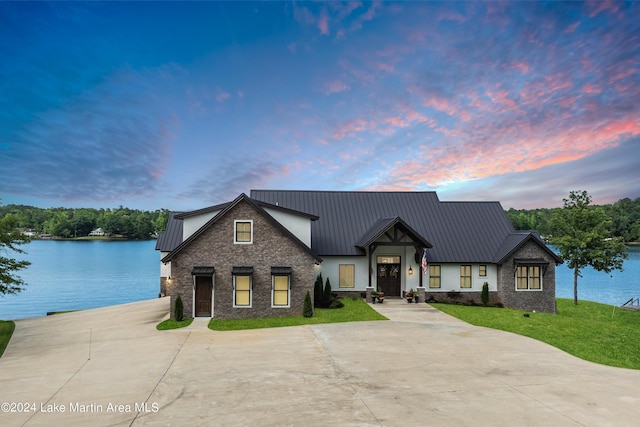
615, 288
77, 275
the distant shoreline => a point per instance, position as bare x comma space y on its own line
91, 238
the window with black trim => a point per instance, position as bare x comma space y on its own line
465, 276
347, 275
242, 290
280, 291
482, 270
243, 232
434, 276
528, 278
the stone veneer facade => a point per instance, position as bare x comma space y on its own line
542, 300
270, 248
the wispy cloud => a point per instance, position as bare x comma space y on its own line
102, 145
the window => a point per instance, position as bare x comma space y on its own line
465, 276
528, 277
434, 276
243, 231
347, 275
241, 291
482, 270
280, 297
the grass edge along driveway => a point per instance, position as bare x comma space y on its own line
6, 331
354, 310
596, 332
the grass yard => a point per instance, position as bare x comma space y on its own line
173, 324
592, 331
353, 311
6, 330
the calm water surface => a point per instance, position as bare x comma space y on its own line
77, 275
615, 288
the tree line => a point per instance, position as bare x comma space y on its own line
623, 219
79, 222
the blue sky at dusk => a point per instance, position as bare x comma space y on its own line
183, 105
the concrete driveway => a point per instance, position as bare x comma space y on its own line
110, 366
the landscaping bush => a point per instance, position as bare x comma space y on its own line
485, 294
317, 291
336, 303
307, 307
326, 295
178, 313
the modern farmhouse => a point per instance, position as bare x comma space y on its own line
258, 255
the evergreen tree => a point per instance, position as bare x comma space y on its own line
326, 295
179, 310
307, 308
485, 294
317, 291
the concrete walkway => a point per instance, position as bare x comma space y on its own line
110, 366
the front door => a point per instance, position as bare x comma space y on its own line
204, 288
388, 272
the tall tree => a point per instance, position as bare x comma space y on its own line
583, 236
10, 238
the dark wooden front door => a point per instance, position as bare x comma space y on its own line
389, 279
204, 286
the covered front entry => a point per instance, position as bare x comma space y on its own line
388, 275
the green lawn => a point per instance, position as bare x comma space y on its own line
6, 330
173, 324
353, 311
591, 331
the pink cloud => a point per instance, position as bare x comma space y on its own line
222, 96
323, 23
350, 127
335, 86
521, 66
600, 6
450, 15
571, 28
389, 68
591, 89
507, 150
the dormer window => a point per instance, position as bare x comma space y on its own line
243, 232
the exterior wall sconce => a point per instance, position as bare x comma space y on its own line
410, 271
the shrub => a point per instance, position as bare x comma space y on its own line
485, 294
317, 291
178, 313
307, 308
326, 295
336, 303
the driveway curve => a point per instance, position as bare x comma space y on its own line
110, 366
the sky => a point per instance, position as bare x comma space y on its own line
173, 105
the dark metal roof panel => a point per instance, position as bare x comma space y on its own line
203, 271
172, 236
375, 231
458, 231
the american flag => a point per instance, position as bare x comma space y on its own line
424, 261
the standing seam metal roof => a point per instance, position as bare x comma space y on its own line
458, 231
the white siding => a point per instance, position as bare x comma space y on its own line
165, 269
450, 278
330, 268
298, 225
192, 224
450, 273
